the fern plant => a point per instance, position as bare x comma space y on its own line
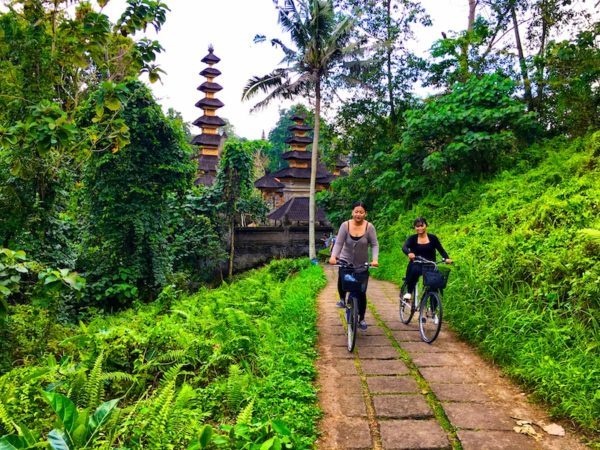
88, 386
237, 385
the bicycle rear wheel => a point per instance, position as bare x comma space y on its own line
407, 307
430, 317
352, 320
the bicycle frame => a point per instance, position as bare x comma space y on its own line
351, 312
429, 305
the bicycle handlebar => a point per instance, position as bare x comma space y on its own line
421, 260
350, 266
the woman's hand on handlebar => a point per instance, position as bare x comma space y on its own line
448, 261
411, 256
333, 260
374, 263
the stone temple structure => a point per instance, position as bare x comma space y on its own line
210, 141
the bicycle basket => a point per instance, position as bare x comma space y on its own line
354, 280
435, 279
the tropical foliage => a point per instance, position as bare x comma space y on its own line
111, 336
231, 366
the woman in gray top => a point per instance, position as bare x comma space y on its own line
352, 247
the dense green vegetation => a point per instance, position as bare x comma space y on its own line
235, 363
526, 288
107, 247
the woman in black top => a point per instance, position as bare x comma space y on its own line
421, 244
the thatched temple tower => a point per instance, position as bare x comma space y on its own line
210, 141
287, 190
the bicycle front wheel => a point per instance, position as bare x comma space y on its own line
430, 317
352, 320
407, 307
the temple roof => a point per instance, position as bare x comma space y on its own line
296, 210
210, 71
299, 140
209, 121
323, 176
209, 87
209, 140
268, 182
298, 118
209, 103
300, 128
211, 58
208, 163
297, 154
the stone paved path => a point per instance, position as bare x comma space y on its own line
396, 392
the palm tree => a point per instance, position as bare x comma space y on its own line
321, 40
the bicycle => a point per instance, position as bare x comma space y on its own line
430, 302
354, 280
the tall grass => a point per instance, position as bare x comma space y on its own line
526, 289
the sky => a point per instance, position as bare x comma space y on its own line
230, 26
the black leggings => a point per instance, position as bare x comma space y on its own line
361, 296
413, 272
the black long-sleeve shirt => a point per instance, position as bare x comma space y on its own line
426, 251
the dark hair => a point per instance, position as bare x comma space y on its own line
361, 204
419, 221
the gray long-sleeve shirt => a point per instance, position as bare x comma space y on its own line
355, 251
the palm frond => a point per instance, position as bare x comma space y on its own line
293, 21
264, 83
290, 54
285, 91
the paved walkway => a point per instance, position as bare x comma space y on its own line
396, 392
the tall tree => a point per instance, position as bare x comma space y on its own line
388, 71
321, 39
127, 200
234, 184
51, 57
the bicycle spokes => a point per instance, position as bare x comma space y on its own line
430, 317
352, 321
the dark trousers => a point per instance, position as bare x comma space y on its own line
360, 295
413, 272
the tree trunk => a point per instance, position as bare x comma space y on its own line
389, 62
541, 65
472, 8
522, 62
464, 58
232, 247
314, 159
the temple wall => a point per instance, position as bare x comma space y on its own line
256, 246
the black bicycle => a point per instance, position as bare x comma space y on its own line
430, 302
354, 280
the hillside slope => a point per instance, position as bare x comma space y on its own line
526, 286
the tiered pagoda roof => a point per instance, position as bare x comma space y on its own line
296, 210
209, 140
292, 183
